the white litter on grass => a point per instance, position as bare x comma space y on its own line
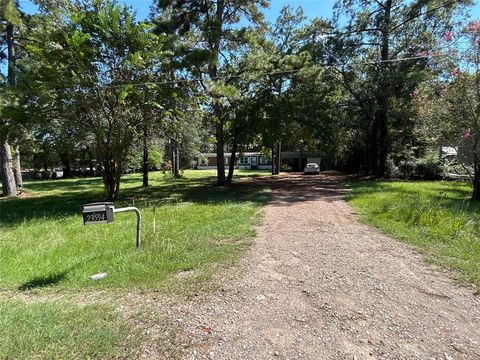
98, 276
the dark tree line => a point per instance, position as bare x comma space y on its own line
215, 74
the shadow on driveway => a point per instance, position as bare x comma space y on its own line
291, 188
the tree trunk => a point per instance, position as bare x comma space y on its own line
10, 40
118, 175
476, 178
67, 169
177, 160
279, 159
111, 178
231, 166
108, 179
476, 166
145, 157
66, 164
476, 134
220, 151
274, 160
17, 168
383, 141
9, 187
90, 161
172, 157
383, 96
372, 140
215, 40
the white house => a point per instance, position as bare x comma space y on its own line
245, 161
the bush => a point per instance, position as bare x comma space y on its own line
429, 167
406, 165
393, 171
401, 163
407, 168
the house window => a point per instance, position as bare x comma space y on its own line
263, 160
244, 160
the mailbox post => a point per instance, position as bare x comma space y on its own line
139, 222
102, 213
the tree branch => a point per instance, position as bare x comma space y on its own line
424, 13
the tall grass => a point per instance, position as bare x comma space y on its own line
188, 223
437, 217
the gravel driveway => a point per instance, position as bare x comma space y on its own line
317, 284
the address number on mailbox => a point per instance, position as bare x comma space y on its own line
97, 213
95, 217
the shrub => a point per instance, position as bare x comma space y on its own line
401, 163
429, 167
393, 172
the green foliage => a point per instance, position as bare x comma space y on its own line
429, 167
214, 42
156, 156
449, 111
274, 108
9, 12
95, 56
378, 87
104, 81
407, 164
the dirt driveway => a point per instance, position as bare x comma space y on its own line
317, 284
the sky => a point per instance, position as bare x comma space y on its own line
312, 8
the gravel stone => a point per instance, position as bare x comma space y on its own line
336, 289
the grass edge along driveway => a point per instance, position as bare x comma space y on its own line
437, 217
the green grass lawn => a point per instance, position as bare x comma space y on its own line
437, 217
188, 224
61, 330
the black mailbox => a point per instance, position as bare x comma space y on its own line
97, 213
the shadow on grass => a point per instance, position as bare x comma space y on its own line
43, 281
52, 279
58, 200
15, 210
64, 184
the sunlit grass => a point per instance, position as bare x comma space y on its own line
60, 330
188, 224
437, 217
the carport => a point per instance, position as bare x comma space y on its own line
297, 160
